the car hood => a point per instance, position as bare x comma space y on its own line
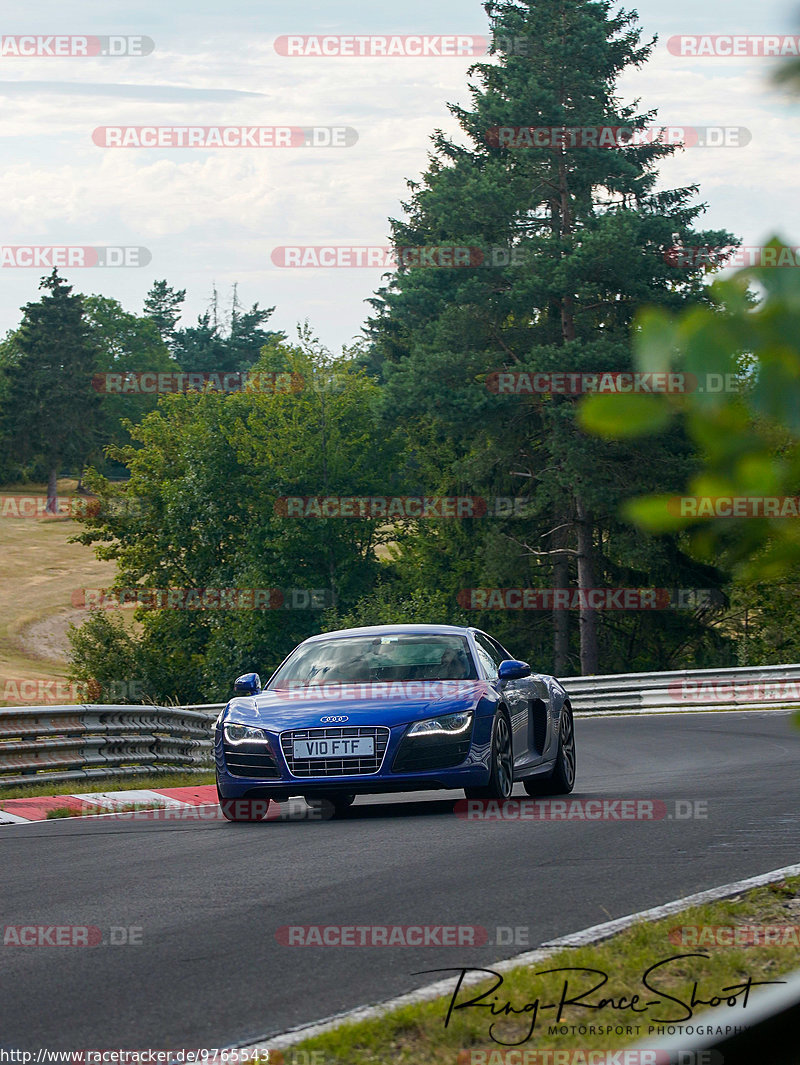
362, 704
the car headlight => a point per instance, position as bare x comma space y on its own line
244, 734
450, 725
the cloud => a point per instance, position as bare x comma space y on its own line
122, 90
216, 215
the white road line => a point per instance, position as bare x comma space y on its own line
594, 934
716, 711
126, 798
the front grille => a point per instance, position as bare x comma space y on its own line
335, 767
246, 760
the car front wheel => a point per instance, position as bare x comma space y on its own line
501, 775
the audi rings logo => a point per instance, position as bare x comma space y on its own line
333, 720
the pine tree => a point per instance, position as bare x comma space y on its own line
219, 343
50, 411
573, 238
163, 304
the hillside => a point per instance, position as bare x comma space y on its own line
39, 573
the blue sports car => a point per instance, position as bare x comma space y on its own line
392, 708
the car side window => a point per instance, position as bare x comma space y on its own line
500, 653
487, 654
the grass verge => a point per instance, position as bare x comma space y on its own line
190, 778
416, 1035
67, 811
40, 574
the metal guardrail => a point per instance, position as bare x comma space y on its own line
757, 687
75, 742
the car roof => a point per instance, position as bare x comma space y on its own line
393, 630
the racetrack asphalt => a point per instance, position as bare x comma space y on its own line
204, 898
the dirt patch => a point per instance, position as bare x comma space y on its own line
46, 639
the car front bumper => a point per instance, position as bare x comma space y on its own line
405, 764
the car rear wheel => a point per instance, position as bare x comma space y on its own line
562, 779
501, 775
333, 805
243, 809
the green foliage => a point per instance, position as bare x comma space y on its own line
767, 618
743, 417
391, 604
90, 335
644, 415
574, 242
50, 415
124, 342
577, 257
108, 655
205, 508
163, 307
11, 469
218, 343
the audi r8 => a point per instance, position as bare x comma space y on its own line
392, 708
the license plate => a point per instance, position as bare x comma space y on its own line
348, 747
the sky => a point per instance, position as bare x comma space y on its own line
210, 218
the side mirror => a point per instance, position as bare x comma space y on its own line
511, 669
247, 684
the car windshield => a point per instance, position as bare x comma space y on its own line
358, 659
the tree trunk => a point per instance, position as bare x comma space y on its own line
52, 492
560, 617
567, 300
588, 616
